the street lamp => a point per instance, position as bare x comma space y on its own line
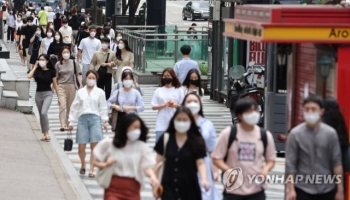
325, 64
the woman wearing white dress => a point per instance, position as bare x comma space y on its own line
207, 129
89, 113
166, 99
45, 43
130, 157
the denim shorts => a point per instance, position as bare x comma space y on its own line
89, 129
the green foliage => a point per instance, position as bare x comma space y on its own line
322, 2
204, 68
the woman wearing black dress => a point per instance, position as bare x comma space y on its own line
184, 155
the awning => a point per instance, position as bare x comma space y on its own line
292, 24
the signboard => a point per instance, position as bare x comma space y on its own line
256, 52
263, 32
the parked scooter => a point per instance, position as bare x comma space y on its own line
247, 83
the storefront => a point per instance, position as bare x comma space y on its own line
308, 45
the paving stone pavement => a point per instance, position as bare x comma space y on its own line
217, 113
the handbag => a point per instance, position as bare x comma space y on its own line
76, 82
104, 176
102, 71
114, 116
159, 169
68, 142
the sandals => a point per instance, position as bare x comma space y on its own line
63, 128
45, 138
82, 171
91, 175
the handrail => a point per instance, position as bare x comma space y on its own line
177, 34
170, 40
132, 26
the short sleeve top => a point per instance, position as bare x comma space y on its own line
44, 79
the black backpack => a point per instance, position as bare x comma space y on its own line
233, 135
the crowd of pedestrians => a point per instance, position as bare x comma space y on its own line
90, 69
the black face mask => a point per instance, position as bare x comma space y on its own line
167, 80
194, 82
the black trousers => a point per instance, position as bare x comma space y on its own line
10, 33
257, 196
301, 195
105, 83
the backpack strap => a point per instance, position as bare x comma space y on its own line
230, 140
263, 137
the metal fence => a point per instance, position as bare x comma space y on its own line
158, 47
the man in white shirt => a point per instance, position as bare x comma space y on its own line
67, 34
87, 47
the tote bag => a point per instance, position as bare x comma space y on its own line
104, 176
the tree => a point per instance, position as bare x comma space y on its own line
132, 5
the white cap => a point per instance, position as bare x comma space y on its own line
82, 10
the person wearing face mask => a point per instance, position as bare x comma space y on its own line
66, 84
49, 26
88, 112
245, 145
83, 33
45, 43
101, 62
114, 46
184, 156
27, 33
35, 19
11, 27
55, 48
67, 33
43, 17
208, 132
192, 83
36, 40
119, 85
313, 148
166, 99
128, 171
128, 99
44, 74
125, 57
87, 47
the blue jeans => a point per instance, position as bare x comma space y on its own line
158, 134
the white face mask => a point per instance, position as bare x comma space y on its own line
119, 38
120, 46
182, 127
91, 82
19, 19
57, 37
49, 34
104, 46
30, 23
134, 134
127, 83
194, 107
92, 34
51, 27
312, 118
251, 118
65, 26
42, 63
38, 33
65, 56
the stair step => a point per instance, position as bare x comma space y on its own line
1, 84
25, 106
9, 94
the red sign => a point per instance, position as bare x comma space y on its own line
256, 52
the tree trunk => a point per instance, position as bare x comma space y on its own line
133, 5
94, 18
124, 7
18, 4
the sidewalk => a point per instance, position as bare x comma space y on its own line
29, 168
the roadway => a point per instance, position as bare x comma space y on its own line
173, 15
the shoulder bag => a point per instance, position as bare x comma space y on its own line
104, 176
159, 169
76, 82
114, 116
102, 71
